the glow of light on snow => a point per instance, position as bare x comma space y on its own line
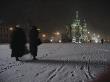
50, 68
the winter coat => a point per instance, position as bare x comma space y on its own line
33, 40
18, 41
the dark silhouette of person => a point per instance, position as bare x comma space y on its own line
102, 41
90, 41
33, 41
18, 42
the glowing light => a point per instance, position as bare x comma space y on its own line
57, 33
51, 40
74, 25
44, 35
88, 32
88, 40
38, 29
77, 42
74, 39
11, 28
60, 41
17, 26
96, 41
98, 36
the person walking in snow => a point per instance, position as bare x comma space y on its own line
34, 41
18, 42
102, 41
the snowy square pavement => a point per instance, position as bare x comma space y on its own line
58, 62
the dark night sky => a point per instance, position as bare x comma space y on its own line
53, 15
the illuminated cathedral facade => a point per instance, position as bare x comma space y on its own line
78, 30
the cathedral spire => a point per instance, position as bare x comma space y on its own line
85, 24
77, 15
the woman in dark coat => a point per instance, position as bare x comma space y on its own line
33, 40
18, 41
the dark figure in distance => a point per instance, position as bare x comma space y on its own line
33, 41
102, 41
90, 41
18, 42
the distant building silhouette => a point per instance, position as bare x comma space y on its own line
4, 33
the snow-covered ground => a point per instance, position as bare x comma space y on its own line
58, 62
